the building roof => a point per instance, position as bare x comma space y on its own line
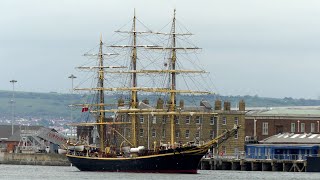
5, 130
291, 138
308, 111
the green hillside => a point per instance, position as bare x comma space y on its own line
55, 105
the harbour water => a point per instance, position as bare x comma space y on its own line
27, 172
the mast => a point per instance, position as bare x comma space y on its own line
101, 116
173, 79
134, 98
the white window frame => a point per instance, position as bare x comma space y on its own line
141, 119
303, 127
177, 134
212, 120
141, 132
224, 120
188, 119
154, 119
187, 133
236, 135
293, 127
154, 133
198, 120
197, 134
236, 120
176, 119
164, 119
265, 128
312, 127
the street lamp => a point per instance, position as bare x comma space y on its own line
12, 104
71, 106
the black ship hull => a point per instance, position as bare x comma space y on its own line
179, 162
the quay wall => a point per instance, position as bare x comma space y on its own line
45, 159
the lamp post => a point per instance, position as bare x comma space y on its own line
12, 104
71, 106
298, 126
318, 126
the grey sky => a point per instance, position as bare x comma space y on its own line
265, 47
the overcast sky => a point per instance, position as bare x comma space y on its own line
266, 47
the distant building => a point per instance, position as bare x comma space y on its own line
261, 124
289, 146
30, 139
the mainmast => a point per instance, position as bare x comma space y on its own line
101, 116
173, 79
134, 98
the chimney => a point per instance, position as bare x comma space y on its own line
120, 102
226, 106
159, 103
242, 105
181, 104
217, 105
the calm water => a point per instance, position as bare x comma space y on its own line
67, 173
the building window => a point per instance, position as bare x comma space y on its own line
176, 119
163, 133
293, 127
177, 134
153, 133
141, 133
187, 119
141, 119
154, 119
236, 135
198, 120
211, 134
164, 119
187, 133
197, 134
236, 120
313, 128
303, 127
212, 120
224, 120
264, 128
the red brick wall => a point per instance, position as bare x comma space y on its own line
277, 124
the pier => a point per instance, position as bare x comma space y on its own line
219, 163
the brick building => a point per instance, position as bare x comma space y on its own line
261, 124
153, 129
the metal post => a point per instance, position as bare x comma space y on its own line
12, 105
255, 129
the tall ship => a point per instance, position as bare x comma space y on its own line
132, 135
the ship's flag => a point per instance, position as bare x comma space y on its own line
84, 109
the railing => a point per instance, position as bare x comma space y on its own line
242, 155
